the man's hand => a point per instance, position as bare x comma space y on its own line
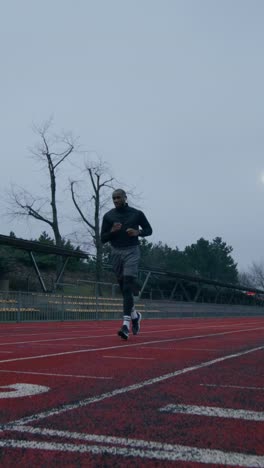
132, 232
116, 227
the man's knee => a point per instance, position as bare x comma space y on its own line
128, 284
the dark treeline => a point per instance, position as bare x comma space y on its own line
212, 260
208, 259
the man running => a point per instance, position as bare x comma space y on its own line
122, 226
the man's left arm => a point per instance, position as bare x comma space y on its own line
146, 229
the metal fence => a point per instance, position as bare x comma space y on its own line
24, 306
91, 288
88, 300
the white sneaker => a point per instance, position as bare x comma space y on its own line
136, 324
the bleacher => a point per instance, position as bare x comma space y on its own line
11, 311
33, 306
23, 307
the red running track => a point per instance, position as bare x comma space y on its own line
184, 393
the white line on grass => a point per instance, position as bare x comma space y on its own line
134, 387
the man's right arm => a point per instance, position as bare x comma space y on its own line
106, 234
109, 230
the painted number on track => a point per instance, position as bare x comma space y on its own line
21, 390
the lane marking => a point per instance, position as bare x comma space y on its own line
111, 335
56, 375
19, 390
129, 357
149, 450
233, 386
53, 339
150, 331
212, 411
182, 349
216, 323
169, 340
82, 337
123, 390
63, 345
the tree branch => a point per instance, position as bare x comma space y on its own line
64, 155
86, 221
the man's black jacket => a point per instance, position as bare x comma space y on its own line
129, 218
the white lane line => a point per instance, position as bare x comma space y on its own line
151, 329
165, 330
129, 357
232, 386
119, 391
29, 335
61, 345
215, 412
181, 349
169, 340
205, 325
51, 340
147, 450
57, 375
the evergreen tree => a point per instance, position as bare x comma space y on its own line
212, 260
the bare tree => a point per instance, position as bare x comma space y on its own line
256, 274
99, 184
52, 151
254, 277
245, 279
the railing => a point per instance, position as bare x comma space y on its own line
26, 307
91, 288
16, 306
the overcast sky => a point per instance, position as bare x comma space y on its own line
169, 92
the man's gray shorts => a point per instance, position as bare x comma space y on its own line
125, 261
